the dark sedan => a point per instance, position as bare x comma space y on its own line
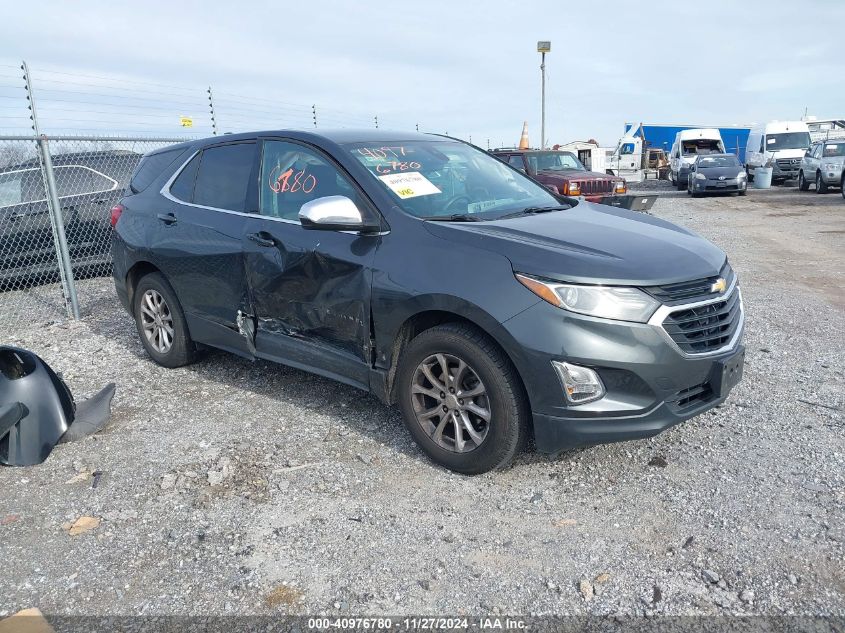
88, 184
429, 273
717, 173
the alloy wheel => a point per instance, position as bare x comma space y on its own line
157, 321
451, 403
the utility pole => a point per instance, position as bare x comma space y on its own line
211, 108
543, 47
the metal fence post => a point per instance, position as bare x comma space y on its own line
56, 213
56, 219
213, 115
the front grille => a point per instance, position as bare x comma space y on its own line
705, 328
691, 291
592, 187
691, 396
788, 163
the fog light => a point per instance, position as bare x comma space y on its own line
580, 384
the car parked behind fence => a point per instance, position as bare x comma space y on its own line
88, 184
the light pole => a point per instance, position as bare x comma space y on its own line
543, 48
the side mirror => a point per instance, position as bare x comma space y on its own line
334, 213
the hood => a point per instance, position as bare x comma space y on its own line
569, 175
592, 243
787, 153
713, 173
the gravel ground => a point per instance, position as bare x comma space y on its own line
231, 487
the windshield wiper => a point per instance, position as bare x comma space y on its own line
535, 210
455, 217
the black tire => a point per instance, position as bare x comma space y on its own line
181, 350
681, 184
750, 173
743, 192
821, 185
803, 185
507, 430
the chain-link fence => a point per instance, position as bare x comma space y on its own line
56, 197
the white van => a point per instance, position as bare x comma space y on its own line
689, 144
783, 143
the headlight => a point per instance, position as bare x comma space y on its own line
572, 189
700, 176
833, 166
607, 302
620, 187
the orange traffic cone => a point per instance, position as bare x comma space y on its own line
523, 140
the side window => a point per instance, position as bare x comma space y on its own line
73, 180
817, 153
627, 148
292, 175
183, 187
762, 138
515, 160
20, 186
223, 176
151, 166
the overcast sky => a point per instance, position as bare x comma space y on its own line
467, 68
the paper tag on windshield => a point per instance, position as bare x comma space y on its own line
409, 185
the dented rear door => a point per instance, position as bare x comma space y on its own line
309, 289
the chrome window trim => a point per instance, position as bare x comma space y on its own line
165, 191
657, 319
72, 195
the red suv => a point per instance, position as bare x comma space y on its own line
565, 174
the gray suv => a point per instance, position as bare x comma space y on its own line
822, 165
434, 276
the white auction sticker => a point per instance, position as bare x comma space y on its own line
409, 185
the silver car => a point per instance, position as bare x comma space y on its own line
822, 164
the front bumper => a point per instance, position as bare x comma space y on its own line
650, 383
718, 186
786, 169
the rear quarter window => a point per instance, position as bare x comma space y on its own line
152, 166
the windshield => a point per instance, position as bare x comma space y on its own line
834, 149
702, 146
718, 161
553, 161
787, 140
439, 179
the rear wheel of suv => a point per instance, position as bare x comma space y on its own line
462, 399
803, 185
161, 322
821, 185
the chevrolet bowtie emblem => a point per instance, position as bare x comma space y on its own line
720, 285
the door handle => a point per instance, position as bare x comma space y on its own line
262, 239
167, 218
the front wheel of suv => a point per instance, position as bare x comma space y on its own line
161, 322
803, 185
821, 185
462, 399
